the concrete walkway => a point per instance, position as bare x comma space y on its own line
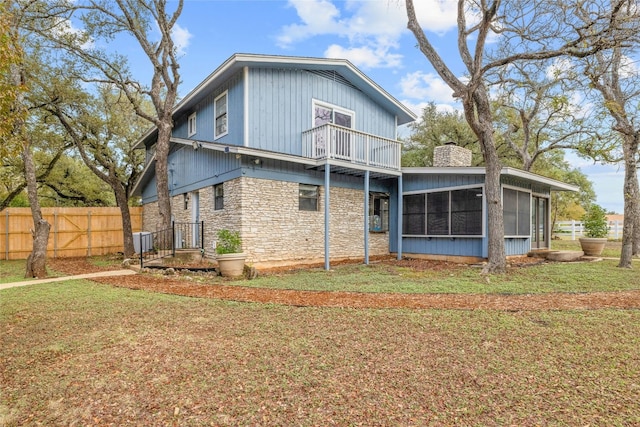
65, 278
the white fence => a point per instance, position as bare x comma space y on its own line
575, 230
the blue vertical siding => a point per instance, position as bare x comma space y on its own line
280, 108
458, 246
205, 120
517, 246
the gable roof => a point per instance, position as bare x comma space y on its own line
343, 67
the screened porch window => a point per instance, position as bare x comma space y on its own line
443, 213
516, 207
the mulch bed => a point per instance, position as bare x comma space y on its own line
177, 286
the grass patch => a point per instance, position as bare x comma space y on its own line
552, 277
79, 353
14, 271
612, 249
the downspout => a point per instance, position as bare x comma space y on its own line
399, 230
327, 172
366, 217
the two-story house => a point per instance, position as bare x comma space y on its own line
300, 156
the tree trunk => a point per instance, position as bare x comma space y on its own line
122, 201
479, 116
162, 176
636, 237
36, 262
631, 201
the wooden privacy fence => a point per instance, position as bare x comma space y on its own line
74, 231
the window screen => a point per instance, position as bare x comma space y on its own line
516, 207
413, 214
466, 212
438, 213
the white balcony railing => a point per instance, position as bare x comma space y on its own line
330, 141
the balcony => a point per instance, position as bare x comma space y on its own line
330, 141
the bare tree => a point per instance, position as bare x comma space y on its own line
612, 74
104, 133
526, 31
17, 77
534, 113
103, 19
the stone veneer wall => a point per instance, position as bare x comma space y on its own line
274, 231
450, 155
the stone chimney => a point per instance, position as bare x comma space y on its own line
450, 155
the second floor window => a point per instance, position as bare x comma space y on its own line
191, 125
341, 140
221, 107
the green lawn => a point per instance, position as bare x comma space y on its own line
81, 353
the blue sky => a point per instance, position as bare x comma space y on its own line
371, 34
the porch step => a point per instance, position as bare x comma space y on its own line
558, 256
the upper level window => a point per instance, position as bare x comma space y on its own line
443, 213
220, 112
191, 125
516, 207
340, 140
378, 212
326, 113
308, 197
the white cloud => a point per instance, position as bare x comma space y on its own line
417, 107
426, 86
365, 57
371, 29
65, 28
629, 67
317, 17
181, 38
438, 16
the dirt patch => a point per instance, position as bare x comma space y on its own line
179, 286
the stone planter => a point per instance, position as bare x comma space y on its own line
231, 265
593, 246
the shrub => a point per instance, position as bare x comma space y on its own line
229, 242
595, 222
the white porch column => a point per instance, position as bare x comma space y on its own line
399, 231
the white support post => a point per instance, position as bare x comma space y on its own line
366, 217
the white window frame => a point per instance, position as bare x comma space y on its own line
191, 124
334, 108
217, 135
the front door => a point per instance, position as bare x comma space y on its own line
539, 223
